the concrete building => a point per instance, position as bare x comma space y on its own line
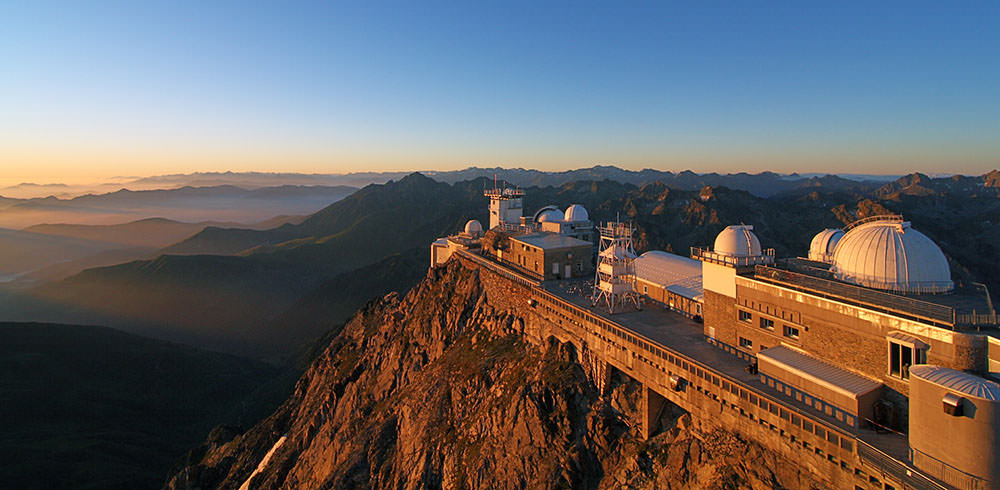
506, 206
470, 238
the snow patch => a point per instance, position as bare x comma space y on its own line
263, 462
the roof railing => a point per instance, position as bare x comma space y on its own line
888, 218
939, 315
708, 255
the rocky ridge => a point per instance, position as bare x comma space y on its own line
438, 389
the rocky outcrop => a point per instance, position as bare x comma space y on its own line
440, 390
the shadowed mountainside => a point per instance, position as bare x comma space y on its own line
94, 408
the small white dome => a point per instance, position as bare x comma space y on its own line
887, 253
737, 241
473, 227
576, 213
824, 243
548, 213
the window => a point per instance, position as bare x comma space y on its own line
791, 332
901, 357
745, 316
645, 289
579, 266
746, 343
767, 323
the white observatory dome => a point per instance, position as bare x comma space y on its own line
473, 227
548, 213
737, 241
885, 252
824, 243
576, 213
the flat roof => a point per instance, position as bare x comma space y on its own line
551, 241
823, 373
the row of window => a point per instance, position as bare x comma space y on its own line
767, 324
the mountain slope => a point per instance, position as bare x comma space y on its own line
94, 408
438, 390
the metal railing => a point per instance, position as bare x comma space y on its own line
499, 269
953, 476
888, 218
904, 473
707, 254
939, 315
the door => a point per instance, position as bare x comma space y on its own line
569, 271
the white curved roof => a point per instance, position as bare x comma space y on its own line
824, 243
473, 227
962, 382
576, 213
676, 273
549, 215
889, 254
737, 241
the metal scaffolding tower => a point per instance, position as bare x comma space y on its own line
613, 284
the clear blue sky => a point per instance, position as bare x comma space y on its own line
111, 88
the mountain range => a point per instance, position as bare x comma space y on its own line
255, 277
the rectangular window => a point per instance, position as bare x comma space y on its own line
746, 343
901, 357
767, 323
645, 289
791, 332
745, 316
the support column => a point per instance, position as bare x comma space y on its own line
652, 408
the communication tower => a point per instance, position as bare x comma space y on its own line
614, 279
505, 205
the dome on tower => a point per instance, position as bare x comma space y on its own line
548, 213
823, 244
885, 252
737, 241
473, 227
576, 213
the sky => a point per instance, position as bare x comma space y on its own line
99, 90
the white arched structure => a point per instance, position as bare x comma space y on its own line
737, 241
824, 243
885, 252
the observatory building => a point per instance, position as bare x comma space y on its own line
863, 356
854, 330
551, 244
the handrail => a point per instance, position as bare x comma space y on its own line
888, 464
888, 218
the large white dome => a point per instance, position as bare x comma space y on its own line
737, 241
887, 253
824, 243
576, 213
548, 213
473, 227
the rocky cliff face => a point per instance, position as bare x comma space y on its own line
439, 390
